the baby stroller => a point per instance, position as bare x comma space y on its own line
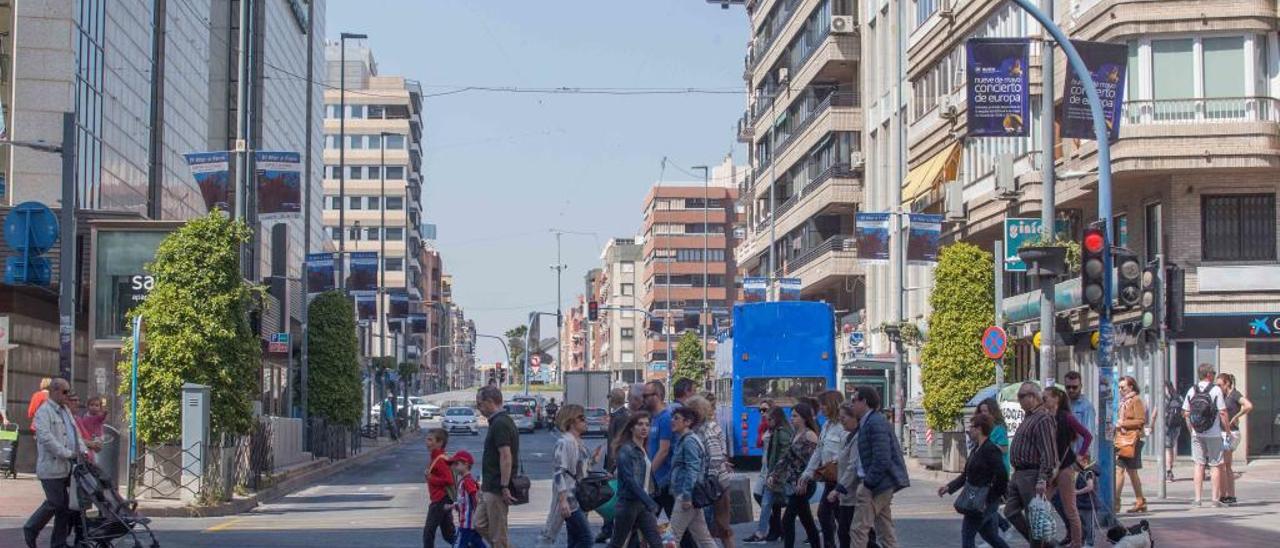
112, 518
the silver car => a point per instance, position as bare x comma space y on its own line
425, 410
522, 414
461, 419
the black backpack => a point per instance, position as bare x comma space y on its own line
1173, 412
1204, 413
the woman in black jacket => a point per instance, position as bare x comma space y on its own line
984, 469
635, 511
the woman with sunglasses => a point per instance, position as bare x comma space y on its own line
635, 510
571, 460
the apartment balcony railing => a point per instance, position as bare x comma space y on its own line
841, 170
839, 242
814, 108
1192, 111
785, 12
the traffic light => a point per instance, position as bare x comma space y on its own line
1129, 272
1151, 300
1175, 297
1092, 268
593, 310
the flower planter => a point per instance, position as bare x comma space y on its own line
954, 451
1047, 261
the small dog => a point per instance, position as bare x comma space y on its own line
1138, 536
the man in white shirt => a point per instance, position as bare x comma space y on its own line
58, 445
1205, 408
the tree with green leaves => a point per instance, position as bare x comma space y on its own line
953, 366
195, 324
515, 343
334, 380
689, 362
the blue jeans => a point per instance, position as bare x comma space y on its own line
986, 525
579, 530
469, 538
766, 510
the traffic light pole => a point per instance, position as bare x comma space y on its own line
1106, 333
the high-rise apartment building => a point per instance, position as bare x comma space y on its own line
380, 178
804, 124
623, 331
689, 275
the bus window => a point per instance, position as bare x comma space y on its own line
783, 391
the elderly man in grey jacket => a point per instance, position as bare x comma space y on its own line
58, 444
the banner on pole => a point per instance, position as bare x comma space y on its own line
997, 92
366, 306
364, 271
755, 288
788, 289
399, 307
279, 180
212, 172
1107, 65
922, 239
871, 230
320, 273
417, 323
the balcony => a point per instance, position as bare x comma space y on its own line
1201, 111
811, 109
835, 256
777, 27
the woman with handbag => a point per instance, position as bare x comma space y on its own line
688, 467
845, 492
785, 477
635, 510
769, 528
712, 436
571, 460
1129, 427
822, 465
984, 482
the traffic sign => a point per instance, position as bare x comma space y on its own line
31, 227
279, 343
994, 342
856, 338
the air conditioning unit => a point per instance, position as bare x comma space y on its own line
944, 9
842, 24
855, 160
954, 199
947, 107
784, 75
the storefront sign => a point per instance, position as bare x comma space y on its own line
1107, 63
1262, 325
997, 93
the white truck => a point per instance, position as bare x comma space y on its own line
587, 388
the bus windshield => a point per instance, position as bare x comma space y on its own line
784, 391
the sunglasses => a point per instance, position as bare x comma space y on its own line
647, 394
1073, 388
1025, 394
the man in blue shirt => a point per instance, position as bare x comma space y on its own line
1081, 408
662, 441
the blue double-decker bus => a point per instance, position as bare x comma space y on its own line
775, 351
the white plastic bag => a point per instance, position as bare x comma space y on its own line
1040, 516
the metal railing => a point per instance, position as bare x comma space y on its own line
779, 22
1210, 110
841, 170
816, 107
839, 242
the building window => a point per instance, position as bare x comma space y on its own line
355, 111
355, 172
395, 142
335, 233
395, 172
373, 203
333, 202
335, 172
395, 234
355, 142
394, 264
628, 267
1121, 225
373, 172
1153, 231
627, 332
376, 112
628, 356
333, 111
628, 290
371, 234
375, 142
925, 9
1238, 227
395, 203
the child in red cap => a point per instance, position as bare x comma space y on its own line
465, 504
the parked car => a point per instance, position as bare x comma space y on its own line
597, 421
522, 414
425, 410
461, 419
539, 407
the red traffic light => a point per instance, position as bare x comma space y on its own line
1093, 241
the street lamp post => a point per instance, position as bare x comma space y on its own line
342, 155
706, 261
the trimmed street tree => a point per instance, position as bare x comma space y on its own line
954, 368
515, 343
195, 324
334, 379
689, 362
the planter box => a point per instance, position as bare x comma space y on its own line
954, 452
1044, 261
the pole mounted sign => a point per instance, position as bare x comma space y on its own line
994, 342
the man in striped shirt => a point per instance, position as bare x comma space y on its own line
1032, 456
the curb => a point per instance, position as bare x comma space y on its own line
917, 470
290, 484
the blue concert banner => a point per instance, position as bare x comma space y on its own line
871, 231
788, 289
364, 271
755, 289
922, 238
1108, 65
212, 172
320, 273
279, 179
997, 90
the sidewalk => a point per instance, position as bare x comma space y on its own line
18, 498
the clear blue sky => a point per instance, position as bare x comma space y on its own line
504, 168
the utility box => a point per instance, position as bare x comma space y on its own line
587, 388
195, 439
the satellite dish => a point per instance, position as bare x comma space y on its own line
31, 227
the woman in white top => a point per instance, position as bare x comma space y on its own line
712, 436
572, 461
822, 465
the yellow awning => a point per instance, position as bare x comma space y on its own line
941, 167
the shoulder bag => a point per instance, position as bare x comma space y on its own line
972, 500
519, 486
707, 490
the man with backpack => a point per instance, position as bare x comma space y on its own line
1205, 409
